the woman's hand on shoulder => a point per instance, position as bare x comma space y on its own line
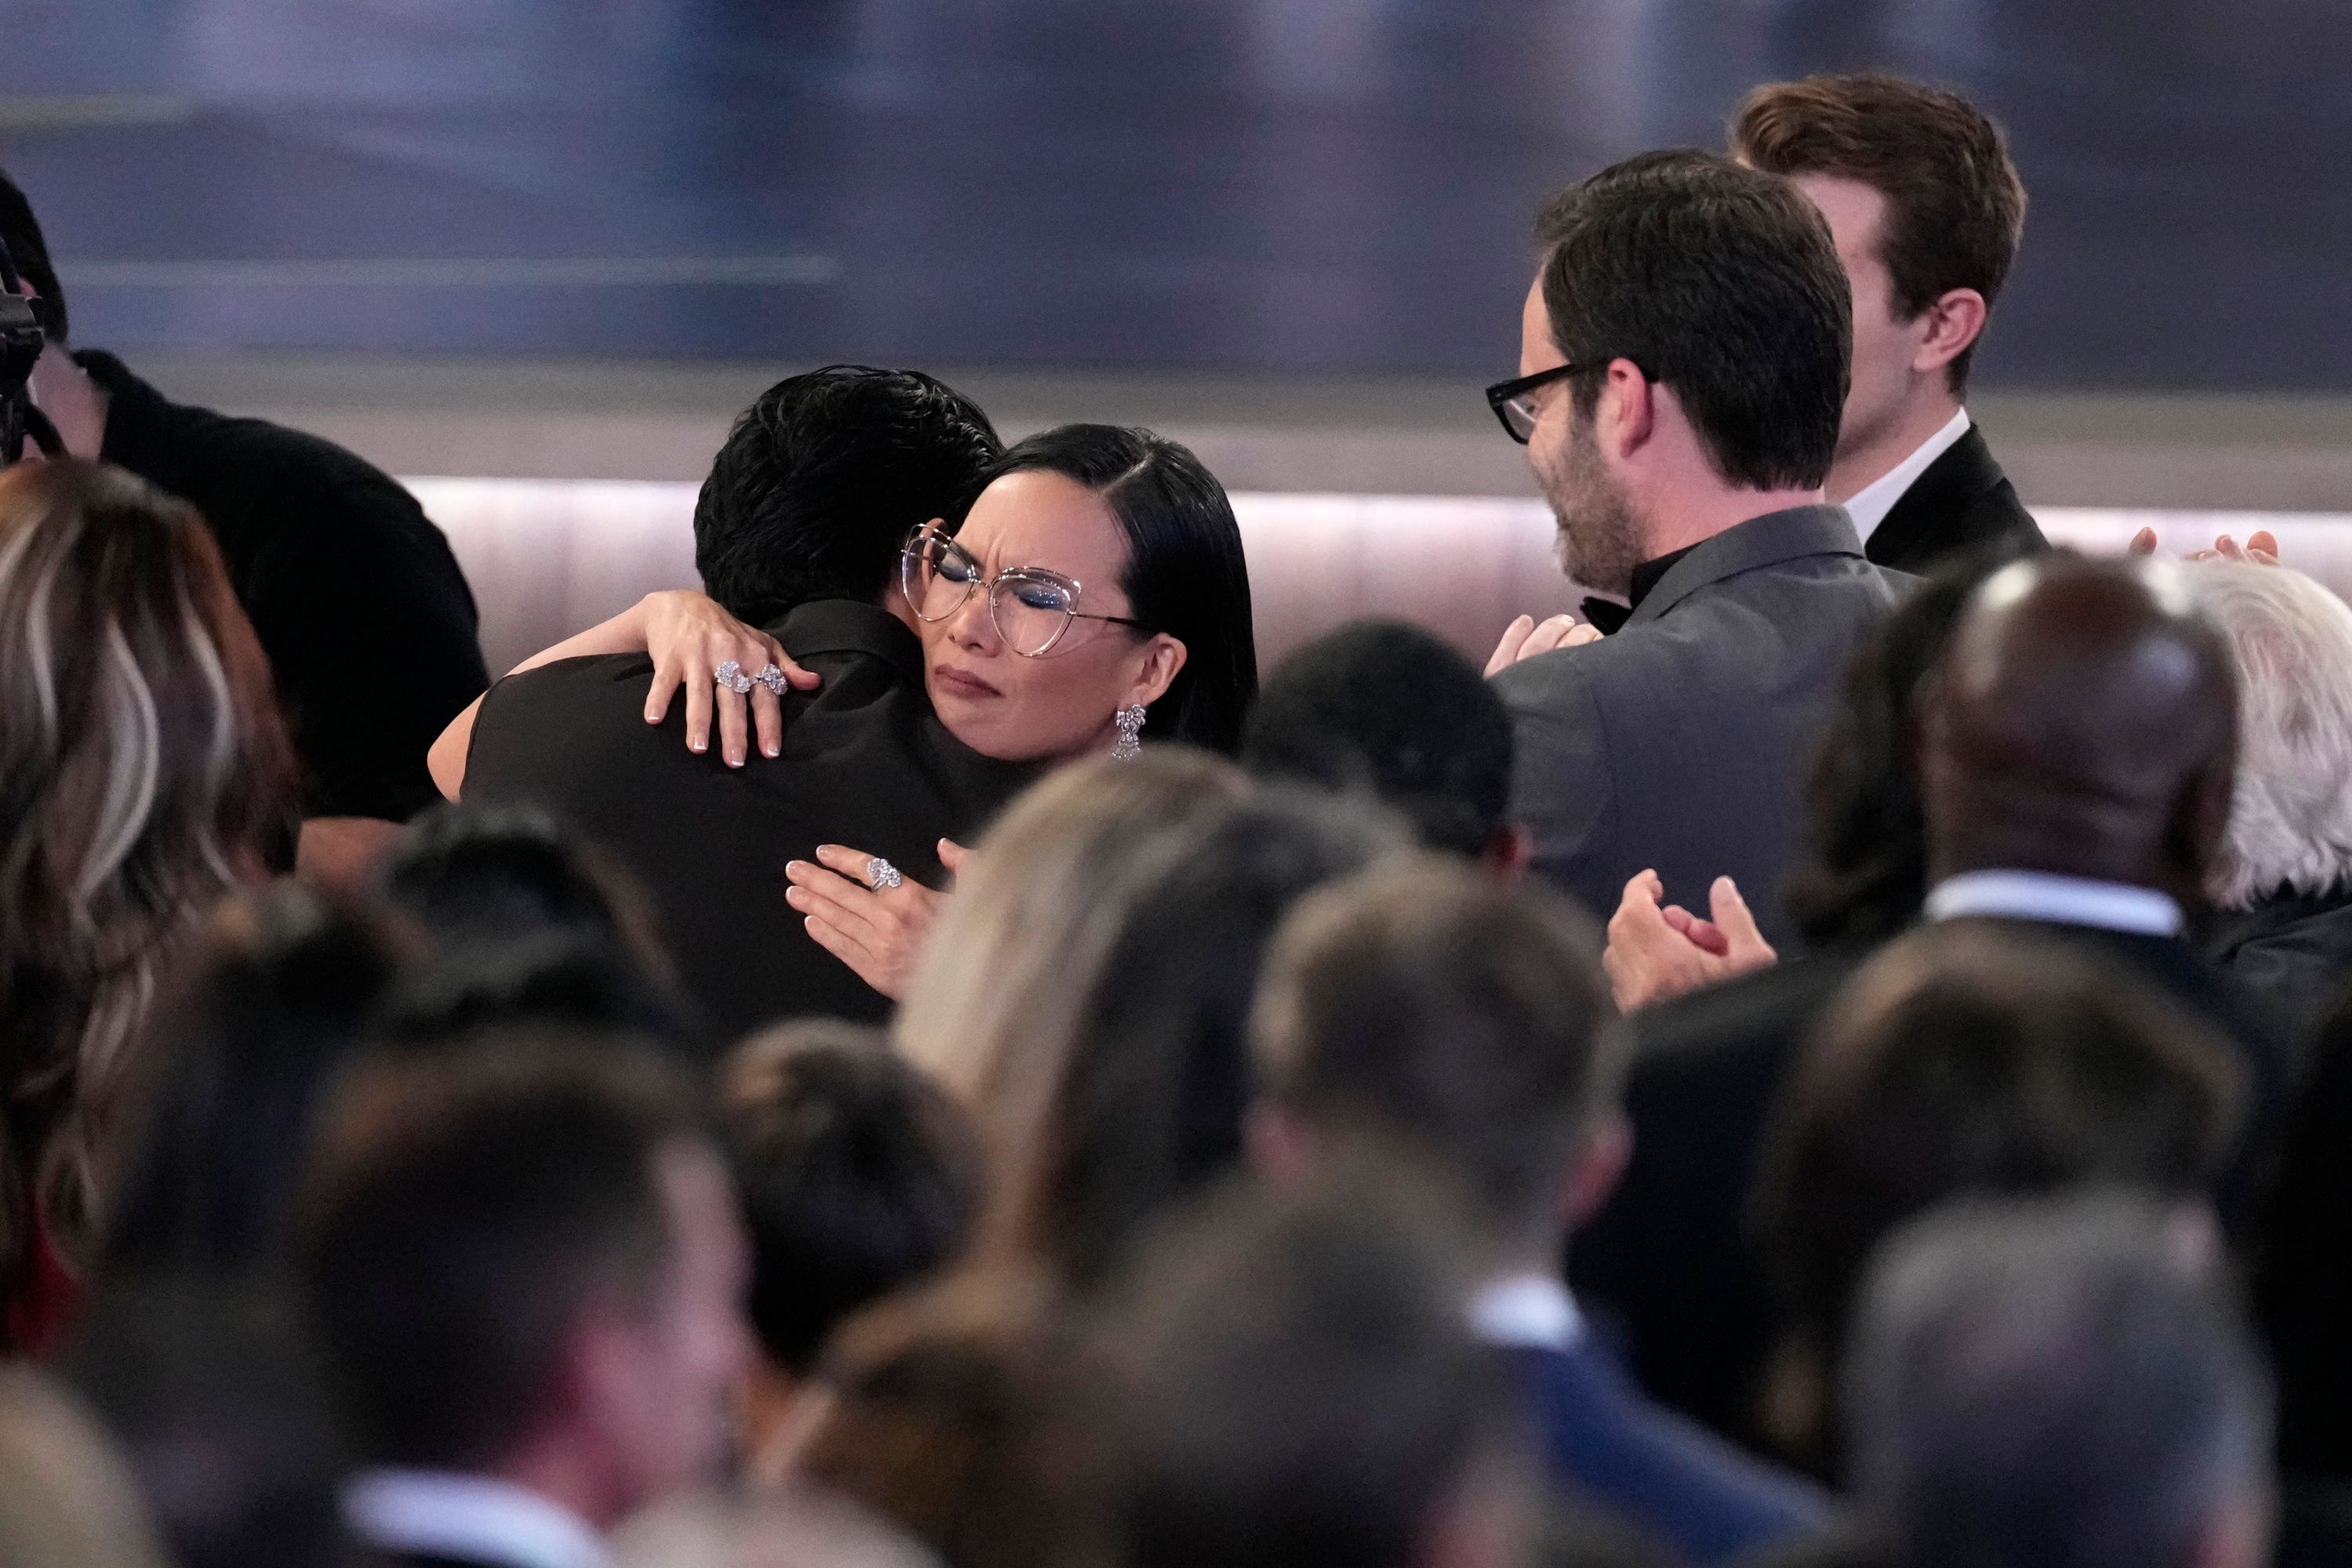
879, 932
690, 639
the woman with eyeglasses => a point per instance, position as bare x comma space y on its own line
1093, 597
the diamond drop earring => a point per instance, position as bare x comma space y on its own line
1130, 726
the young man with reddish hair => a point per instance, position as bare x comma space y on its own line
1926, 210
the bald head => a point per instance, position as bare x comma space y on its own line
2083, 722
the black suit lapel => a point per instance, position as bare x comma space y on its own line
1963, 501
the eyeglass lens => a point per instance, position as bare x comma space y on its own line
1030, 613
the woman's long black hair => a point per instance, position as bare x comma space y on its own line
1185, 576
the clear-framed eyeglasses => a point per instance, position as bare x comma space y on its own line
1031, 607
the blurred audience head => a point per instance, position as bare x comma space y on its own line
1927, 212
822, 477
2083, 721
1428, 1006
1706, 313
280, 990
66, 1499
1389, 711
946, 1413
2066, 1384
1290, 1381
1127, 1090
220, 1404
1965, 1062
550, 983
1035, 907
858, 1176
2290, 817
1865, 872
143, 773
526, 1263
29, 250
1123, 515
475, 875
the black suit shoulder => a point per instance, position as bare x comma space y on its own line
1669, 1257
1962, 504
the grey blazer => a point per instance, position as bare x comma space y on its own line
1683, 740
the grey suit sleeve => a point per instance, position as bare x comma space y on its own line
1561, 787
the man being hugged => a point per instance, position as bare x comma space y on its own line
1682, 373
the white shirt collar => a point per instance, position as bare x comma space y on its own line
2069, 901
475, 1519
1871, 503
1526, 1312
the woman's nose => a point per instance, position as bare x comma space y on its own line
971, 625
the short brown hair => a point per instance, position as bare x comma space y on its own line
1955, 207
1432, 1004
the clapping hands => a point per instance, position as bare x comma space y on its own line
1658, 950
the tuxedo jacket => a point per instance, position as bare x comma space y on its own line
1961, 504
1669, 1263
865, 764
1677, 1484
1682, 742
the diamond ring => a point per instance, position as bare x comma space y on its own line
730, 676
880, 875
772, 678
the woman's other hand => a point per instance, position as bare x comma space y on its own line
878, 932
1525, 638
689, 637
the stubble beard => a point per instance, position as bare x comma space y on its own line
1599, 542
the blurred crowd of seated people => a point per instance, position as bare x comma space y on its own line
1839, 1053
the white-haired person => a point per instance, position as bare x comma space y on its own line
2282, 883
144, 771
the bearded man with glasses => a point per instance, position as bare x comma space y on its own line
1683, 365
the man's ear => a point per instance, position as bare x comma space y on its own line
1508, 853
1599, 1164
1277, 1147
1953, 321
1626, 414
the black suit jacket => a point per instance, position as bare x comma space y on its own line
1961, 504
1681, 741
1669, 1263
866, 764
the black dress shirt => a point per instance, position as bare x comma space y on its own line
1609, 616
366, 619
1961, 504
866, 764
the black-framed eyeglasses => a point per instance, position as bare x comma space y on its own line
1514, 401
1031, 607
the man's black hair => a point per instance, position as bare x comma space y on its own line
1388, 711
1720, 282
822, 478
21, 231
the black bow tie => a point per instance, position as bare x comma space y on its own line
1606, 613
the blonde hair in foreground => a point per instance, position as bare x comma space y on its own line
66, 1499
2291, 816
143, 766
996, 1004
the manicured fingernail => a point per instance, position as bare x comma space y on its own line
697, 745
793, 896
772, 748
